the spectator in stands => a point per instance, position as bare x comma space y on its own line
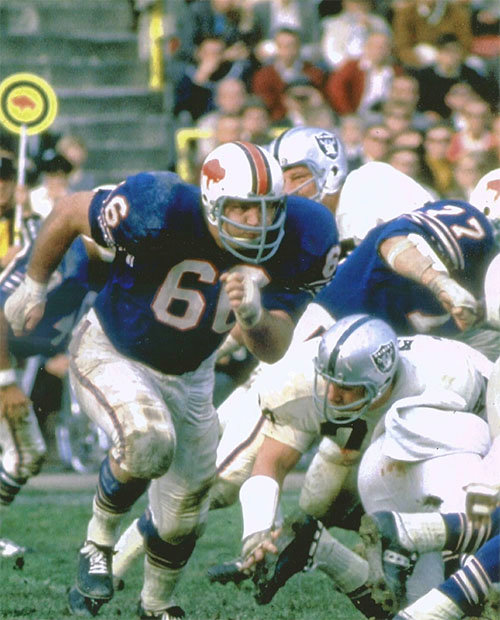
351, 132
476, 135
230, 20
345, 33
405, 160
74, 149
486, 34
397, 117
195, 91
301, 100
361, 85
448, 69
376, 141
256, 122
270, 81
456, 98
271, 15
438, 170
55, 173
230, 98
409, 138
467, 171
418, 26
406, 89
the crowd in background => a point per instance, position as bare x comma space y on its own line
415, 84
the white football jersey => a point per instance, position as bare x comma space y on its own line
437, 373
373, 194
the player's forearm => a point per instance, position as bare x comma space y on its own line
271, 337
405, 259
68, 219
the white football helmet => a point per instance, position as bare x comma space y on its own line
486, 197
247, 173
358, 350
319, 149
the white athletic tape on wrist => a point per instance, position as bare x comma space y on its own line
7, 377
250, 311
228, 346
459, 297
28, 294
259, 500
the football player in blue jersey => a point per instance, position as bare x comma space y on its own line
189, 266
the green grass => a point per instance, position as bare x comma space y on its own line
54, 524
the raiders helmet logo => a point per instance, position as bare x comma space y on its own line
328, 144
384, 357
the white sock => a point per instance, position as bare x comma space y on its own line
432, 606
421, 532
129, 547
104, 527
348, 570
159, 584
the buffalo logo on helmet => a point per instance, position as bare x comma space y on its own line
494, 185
328, 144
213, 171
384, 357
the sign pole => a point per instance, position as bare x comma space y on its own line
21, 176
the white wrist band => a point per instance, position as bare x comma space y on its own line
7, 377
37, 290
259, 500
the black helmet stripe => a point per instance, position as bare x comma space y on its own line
277, 143
336, 350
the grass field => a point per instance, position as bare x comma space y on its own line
53, 524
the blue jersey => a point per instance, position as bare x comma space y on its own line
461, 236
163, 303
68, 287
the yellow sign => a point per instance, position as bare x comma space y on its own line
26, 99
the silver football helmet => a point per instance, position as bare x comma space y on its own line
359, 350
246, 173
319, 149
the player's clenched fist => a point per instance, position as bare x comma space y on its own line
25, 307
244, 297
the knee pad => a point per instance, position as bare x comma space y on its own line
9, 487
162, 553
149, 455
223, 493
115, 496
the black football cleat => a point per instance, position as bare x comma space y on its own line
390, 563
79, 605
94, 579
173, 612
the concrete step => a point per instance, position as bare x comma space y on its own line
127, 156
56, 16
117, 175
109, 101
81, 72
92, 47
104, 130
